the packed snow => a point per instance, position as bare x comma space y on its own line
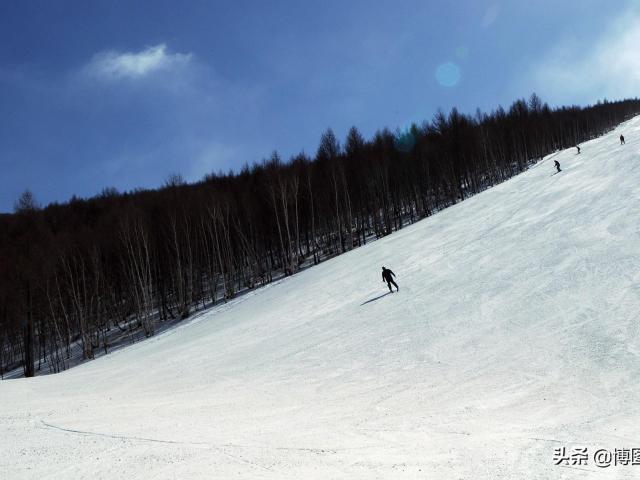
515, 334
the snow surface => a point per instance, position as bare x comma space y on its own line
516, 331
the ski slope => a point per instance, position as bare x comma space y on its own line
516, 331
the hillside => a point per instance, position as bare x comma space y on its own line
515, 332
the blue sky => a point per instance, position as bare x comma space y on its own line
122, 94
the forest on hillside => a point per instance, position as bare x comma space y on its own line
73, 273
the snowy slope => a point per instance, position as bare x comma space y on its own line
516, 331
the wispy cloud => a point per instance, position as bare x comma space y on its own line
491, 15
136, 114
211, 157
192, 115
114, 65
575, 72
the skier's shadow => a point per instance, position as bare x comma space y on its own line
376, 298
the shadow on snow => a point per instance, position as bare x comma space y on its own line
376, 298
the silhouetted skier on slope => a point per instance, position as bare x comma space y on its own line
387, 277
557, 164
621, 139
578, 149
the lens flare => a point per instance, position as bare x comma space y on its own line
448, 74
462, 52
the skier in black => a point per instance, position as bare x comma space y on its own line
621, 139
387, 277
578, 149
557, 164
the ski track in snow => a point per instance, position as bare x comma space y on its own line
515, 332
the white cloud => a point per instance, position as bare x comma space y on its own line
113, 65
575, 72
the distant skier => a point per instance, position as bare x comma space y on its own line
621, 139
578, 149
557, 164
387, 277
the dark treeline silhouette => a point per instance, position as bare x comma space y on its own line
73, 274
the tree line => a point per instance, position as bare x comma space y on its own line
73, 273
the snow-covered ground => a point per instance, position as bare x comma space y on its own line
516, 332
